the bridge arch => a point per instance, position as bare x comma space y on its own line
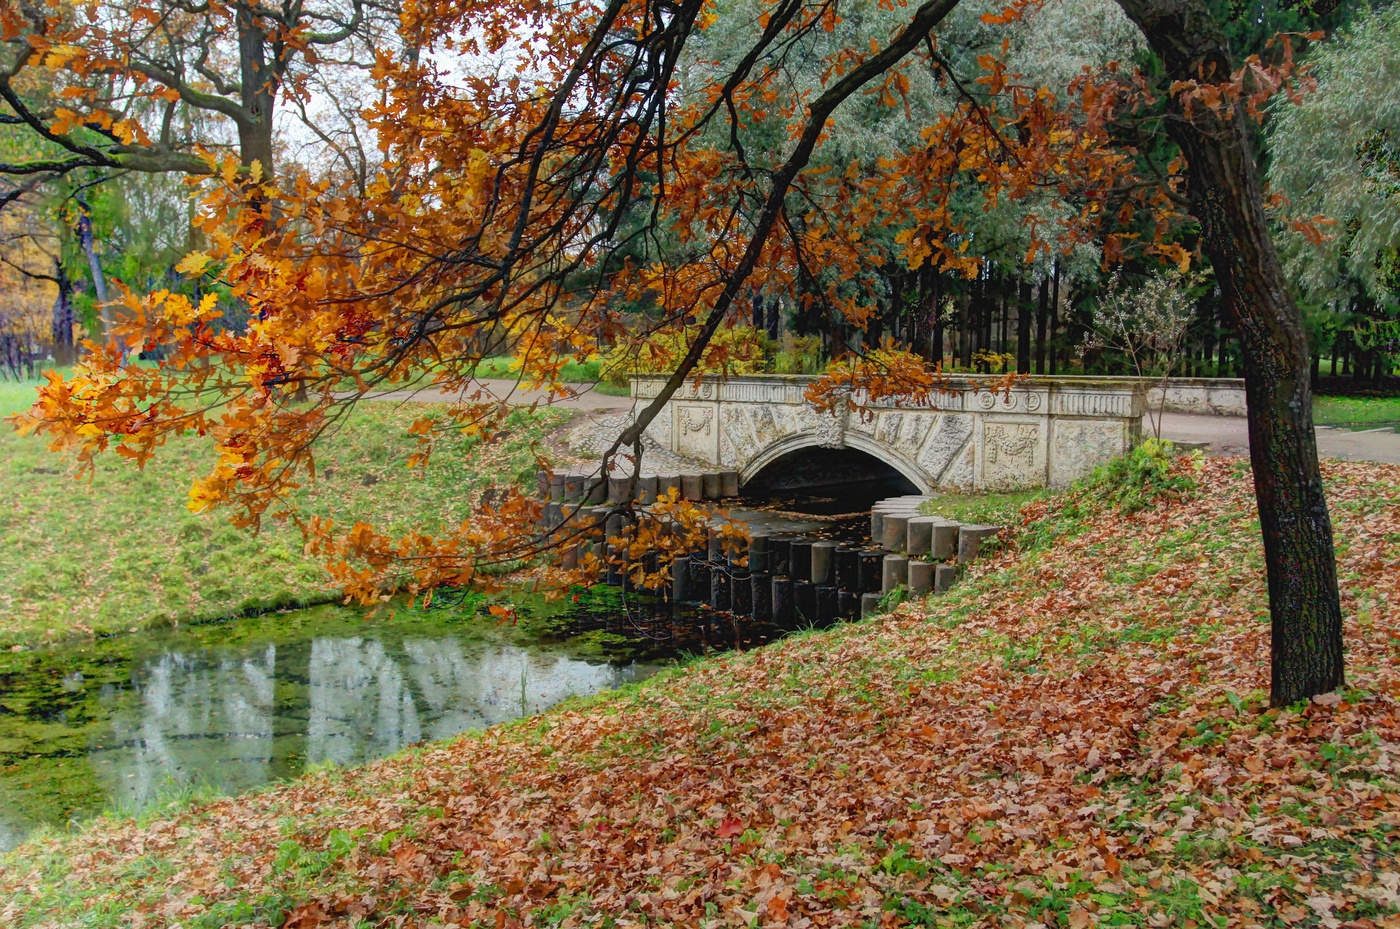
804, 441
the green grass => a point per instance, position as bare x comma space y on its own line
120, 551
573, 372
1333, 410
993, 509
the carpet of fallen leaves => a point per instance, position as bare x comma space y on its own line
1078, 736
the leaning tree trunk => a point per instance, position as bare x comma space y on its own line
1225, 197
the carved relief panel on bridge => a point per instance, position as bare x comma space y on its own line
696, 433
1013, 455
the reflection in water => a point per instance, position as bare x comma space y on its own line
123, 722
231, 718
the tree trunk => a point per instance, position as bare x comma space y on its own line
1225, 197
965, 311
1042, 313
1054, 311
1023, 327
106, 314
258, 88
61, 325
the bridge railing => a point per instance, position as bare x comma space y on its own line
968, 435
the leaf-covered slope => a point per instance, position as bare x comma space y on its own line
1075, 737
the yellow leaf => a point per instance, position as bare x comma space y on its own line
193, 263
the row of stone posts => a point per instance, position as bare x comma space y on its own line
788, 580
594, 489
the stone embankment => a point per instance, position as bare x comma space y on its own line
789, 580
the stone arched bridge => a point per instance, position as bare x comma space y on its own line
1044, 431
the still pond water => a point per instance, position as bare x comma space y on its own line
124, 723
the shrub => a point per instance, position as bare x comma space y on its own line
1150, 472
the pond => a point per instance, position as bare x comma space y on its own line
124, 723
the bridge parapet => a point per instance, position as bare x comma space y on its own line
1042, 431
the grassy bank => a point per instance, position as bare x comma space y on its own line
121, 551
1329, 410
573, 372
1076, 736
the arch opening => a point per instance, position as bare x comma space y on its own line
826, 481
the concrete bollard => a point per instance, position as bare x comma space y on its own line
944, 577
970, 539
729, 483
800, 560
779, 552
719, 589
646, 490
761, 596
823, 556
894, 531
573, 488
680, 580
944, 540
920, 577
715, 548
692, 487
827, 604
668, 483
781, 601
804, 603
556, 487
895, 573
618, 488
699, 580
877, 524
869, 605
568, 558
848, 604
741, 593
613, 525
553, 516
758, 552
542, 485
918, 536
848, 568
710, 485
614, 571
871, 570
595, 489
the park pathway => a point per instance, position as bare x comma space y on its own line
1229, 436
1225, 436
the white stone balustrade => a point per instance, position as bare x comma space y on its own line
1042, 431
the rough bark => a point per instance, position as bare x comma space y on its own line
1225, 196
258, 85
64, 352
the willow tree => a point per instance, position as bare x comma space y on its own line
500, 192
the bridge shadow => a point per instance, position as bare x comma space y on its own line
826, 481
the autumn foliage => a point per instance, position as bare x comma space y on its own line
499, 192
